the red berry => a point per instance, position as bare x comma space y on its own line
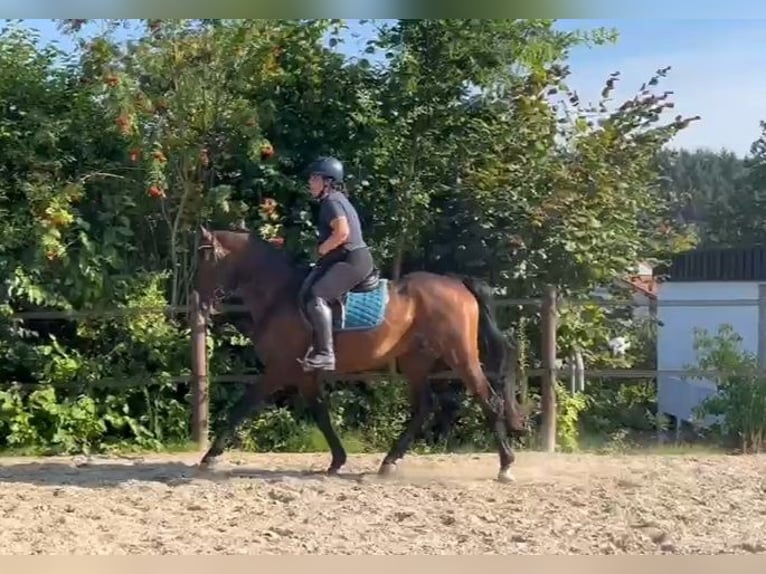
156, 191
267, 151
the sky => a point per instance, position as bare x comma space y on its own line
717, 70
716, 73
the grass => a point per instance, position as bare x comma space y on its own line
353, 445
644, 443
307, 438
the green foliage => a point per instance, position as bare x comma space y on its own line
42, 420
737, 215
740, 398
277, 430
718, 197
611, 414
698, 183
611, 406
569, 406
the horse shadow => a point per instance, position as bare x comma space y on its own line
173, 474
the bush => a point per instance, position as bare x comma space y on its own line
740, 399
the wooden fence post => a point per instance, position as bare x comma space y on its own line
199, 385
548, 384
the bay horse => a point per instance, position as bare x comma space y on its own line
419, 320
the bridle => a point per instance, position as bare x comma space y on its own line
219, 293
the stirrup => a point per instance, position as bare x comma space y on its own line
312, 361
308, 367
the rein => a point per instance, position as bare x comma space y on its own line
219, 293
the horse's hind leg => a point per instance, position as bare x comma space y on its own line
415, 367
469, 370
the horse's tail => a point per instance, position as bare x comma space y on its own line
495, 350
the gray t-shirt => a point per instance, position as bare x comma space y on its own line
335, 204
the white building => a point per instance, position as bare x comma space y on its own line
706, 289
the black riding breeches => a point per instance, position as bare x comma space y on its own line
338, 274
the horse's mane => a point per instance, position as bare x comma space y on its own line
257, 255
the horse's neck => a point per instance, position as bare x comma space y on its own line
255, 283
266, 312
263, 299
264, 278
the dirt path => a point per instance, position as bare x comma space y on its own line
442, 504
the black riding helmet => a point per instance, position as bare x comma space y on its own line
328, 167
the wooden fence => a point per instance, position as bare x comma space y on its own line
548, 305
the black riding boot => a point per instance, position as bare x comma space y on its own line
320, 315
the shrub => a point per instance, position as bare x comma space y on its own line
740, 399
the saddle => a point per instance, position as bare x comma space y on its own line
369, 283
366, 285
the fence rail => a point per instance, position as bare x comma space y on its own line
377, 377
500, 302
548, 371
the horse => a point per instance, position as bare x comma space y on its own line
419, 320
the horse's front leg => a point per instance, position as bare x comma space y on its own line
312, 392
249, 404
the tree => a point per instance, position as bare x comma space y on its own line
699, 187
422, 107
738, 218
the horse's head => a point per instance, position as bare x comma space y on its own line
241, 263
216, 270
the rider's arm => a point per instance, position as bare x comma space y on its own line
340, 233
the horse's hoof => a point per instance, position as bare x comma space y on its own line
387, 469
505, 476
207, 464
336, 463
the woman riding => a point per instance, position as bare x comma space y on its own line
344, 257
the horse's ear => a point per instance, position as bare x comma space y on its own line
205, 233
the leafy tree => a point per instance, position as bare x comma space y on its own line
738, 218
699, 187
425, 108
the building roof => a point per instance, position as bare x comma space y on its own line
643, 283
719, 264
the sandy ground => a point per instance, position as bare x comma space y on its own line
273, 504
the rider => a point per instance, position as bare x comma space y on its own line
344, 258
